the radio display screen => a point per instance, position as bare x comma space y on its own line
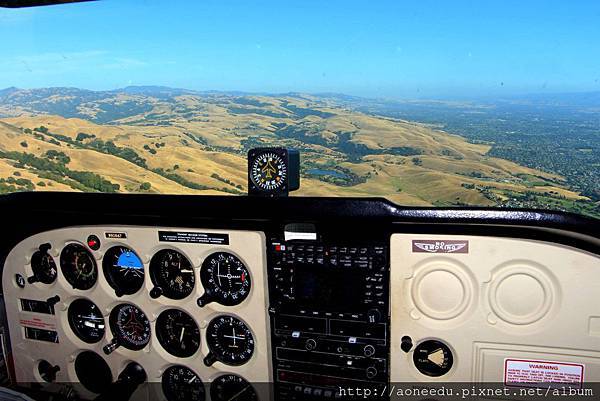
326, 288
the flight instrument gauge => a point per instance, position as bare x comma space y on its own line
182, 384
268, 171
178, 333
43, 266
273, 171
225, 278
172, 275
123, 270
229, 341
78, 266
86, 321
230, 387
130, 328
433, 358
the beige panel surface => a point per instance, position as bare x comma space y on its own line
502, 298
248, 246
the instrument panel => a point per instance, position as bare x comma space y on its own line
306, 296
189, 306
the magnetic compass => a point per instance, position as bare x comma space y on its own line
273, 171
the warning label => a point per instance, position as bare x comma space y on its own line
194, 238
37, 323
529, 373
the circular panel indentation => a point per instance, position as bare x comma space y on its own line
521, 295
92, 371
442, 290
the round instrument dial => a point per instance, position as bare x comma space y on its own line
178, 333
230, 387
123, 270
181, 384
225, 278
433, 358
268, 171
43, 267
229, 340
130, 326
172, 274
86, 321
78, 266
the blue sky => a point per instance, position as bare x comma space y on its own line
397, 49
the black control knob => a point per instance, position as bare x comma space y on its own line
406, 343
156, 292
310, 345
204, 300
369, 351
210, 359
373, 316
53, 300
128, 381
110, 347
371, 372
47, 371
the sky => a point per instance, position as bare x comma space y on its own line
375, 48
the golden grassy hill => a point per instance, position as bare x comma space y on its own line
192, 144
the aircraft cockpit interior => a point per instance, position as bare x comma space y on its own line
312, 283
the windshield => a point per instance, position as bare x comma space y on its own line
458, 103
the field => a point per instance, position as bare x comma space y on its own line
161, 140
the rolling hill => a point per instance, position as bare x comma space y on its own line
165, 140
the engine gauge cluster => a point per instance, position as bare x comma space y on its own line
43, 266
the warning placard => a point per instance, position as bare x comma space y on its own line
531, 373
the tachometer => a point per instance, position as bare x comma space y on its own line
86, 321
178, 333
182, 384
230, 387
172, 275
225, 278
123, 270
130, 328
229, 341
43, 266
78, 266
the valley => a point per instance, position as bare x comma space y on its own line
164, 140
